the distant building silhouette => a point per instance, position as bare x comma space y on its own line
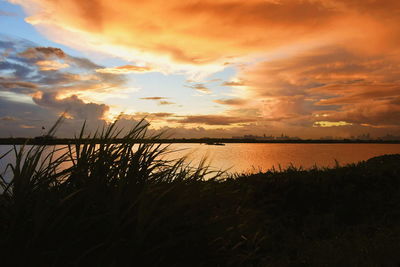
389, 137
266, 138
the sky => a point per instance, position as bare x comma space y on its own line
307, 68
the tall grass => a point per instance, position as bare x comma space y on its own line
112, 199
102, 203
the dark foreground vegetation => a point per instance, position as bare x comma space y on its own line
122, 205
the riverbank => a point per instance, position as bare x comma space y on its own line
115, 207
211, 141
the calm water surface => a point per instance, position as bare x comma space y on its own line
255, 157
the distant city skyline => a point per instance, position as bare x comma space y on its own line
283, 136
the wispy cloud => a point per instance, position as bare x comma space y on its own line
214, 119
126, 69
199, 87
160, 100
233, 83
47, 65
166, 103
7, 14
8, 118
154, 98
231, 101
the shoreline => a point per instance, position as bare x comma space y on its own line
71, 141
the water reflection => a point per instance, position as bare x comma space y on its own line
255, 157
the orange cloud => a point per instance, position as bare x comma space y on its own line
201, 88
43, 52
154, 98
159, 99
47, 65
330, 84
233, 83
16, 86
23, 126
330, 124
215, 119
126, 69
372, 112
149, 115
302, 61
214, 32
231, 102
166, 103
8, 118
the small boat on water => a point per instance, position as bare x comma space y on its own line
214, 144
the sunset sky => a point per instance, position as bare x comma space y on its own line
306, 68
